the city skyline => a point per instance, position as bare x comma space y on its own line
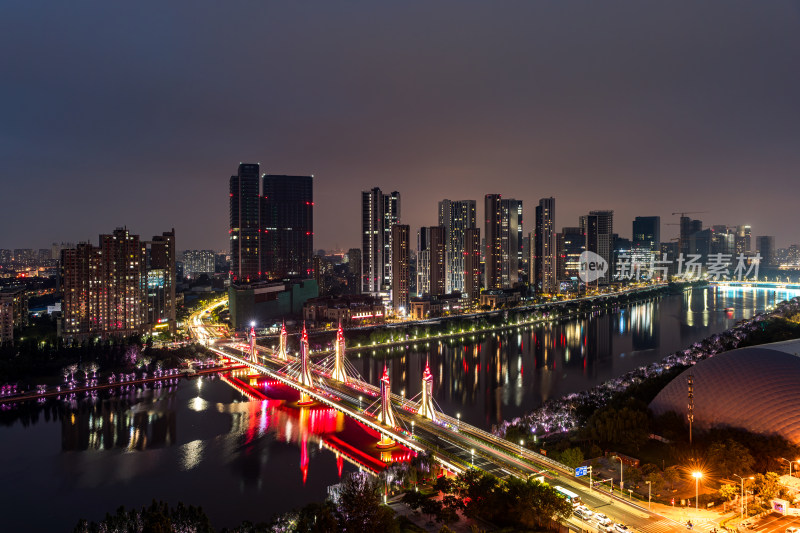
598, 107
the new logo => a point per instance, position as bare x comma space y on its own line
592, 267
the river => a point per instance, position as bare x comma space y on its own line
203, 442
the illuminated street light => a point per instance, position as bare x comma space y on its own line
472, 460
458, 416
649, 488
697, 476
741, 501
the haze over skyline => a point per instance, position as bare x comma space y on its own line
137, 115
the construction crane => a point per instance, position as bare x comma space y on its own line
684, 213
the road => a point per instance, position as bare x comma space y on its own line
458, 445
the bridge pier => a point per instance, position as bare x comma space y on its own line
386, 415
305, 371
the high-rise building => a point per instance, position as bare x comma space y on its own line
13, 312
287, 226
742, 240
688, 226
723, 240
600, 239
472, 264
503, 241
6, 257
354, 261
198, 262
543, 262
379, 212
401, 253
765, 246
161, 278
431, 261
647, 233
120, 287
245, 224
456, 216
573, 241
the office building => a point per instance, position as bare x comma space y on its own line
765, 246
401, 255
503, 223
456, 217
572, 244
379, 212
647, 233
599, 229
245, 224
543, 260
287, 226
742, 240
198, 262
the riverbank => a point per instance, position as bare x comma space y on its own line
462, 327
567, 413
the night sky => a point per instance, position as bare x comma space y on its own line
137, 113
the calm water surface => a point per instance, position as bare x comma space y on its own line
202, 442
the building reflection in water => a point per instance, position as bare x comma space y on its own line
506, 373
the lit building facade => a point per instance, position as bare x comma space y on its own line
245, 224
198, 262
503, 241
401, 254
287, 226
431, 261
379, 213
472, 264
456, 217
543, 260
110, 291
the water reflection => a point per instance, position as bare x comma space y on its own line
504, 374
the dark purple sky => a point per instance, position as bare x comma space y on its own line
136, 113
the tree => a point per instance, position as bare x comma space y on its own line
359, 505
729, 457
729, 492
572, 457
317, 518
671, 476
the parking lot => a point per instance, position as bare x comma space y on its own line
775, 523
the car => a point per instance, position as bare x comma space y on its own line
600, 518
621, 528
793, 529
583, 512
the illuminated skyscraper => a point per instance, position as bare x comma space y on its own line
245, 223
543, 263
379, 212
456, 216
287, 226
431, 261
503, 241
401, 251
472, 264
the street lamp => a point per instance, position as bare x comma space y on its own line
412, 428
621, 484
741, 501
790, 464
649, 488
697, 476
472, 459
458, 416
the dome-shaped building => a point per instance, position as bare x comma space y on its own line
755, 388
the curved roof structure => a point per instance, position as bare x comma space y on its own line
755, 388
